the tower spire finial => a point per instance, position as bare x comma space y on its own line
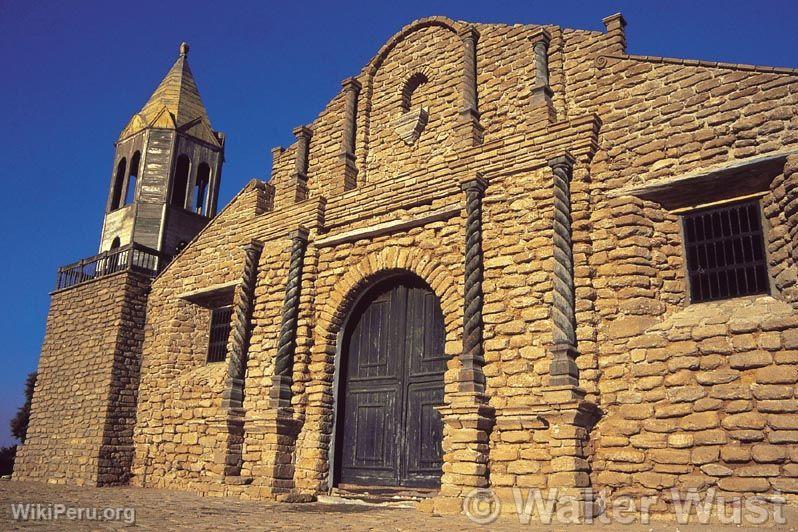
183, 49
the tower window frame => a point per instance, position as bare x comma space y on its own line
219, 333
725, 251
118, 185
132, 178
202, 189
180, 181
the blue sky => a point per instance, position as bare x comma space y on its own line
73, 73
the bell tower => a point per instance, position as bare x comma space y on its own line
167, 169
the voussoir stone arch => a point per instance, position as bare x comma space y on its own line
441, 22
378, 265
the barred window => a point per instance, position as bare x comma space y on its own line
725, 252
220, 332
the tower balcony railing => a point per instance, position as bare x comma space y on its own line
133, 257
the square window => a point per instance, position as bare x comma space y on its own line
220, 332
725, 252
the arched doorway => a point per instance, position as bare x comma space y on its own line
391, 379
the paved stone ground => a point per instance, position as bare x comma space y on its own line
173, 510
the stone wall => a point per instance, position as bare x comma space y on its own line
84, 404
693, 396
668, 394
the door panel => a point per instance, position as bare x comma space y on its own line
370, 440
425, 338
424, 434
389, 432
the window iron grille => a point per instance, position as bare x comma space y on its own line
725, 252
220, 332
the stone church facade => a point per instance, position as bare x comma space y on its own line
502, 256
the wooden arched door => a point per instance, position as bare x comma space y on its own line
389, 432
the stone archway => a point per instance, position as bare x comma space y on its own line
312, 472
391, 382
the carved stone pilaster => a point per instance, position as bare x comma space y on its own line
265, 198
271, 439
240, 327
541, 90
471, 378
616, 33
467, 417
470, 130
563, 349
303, 135
570, 422
284, 361
352, 89
229, 425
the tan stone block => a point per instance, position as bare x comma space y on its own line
699, 421
569, 463
704, 455
666, 410
569, 479
755, 485
613, 478
680, 440
785, 485
716, 470
685, 394
777, 375
772, 391
719, 376
707, 403
783, 436
669, 456
746, 420
630, 326
751, 359
521, 467
764, 453
763, 470
735, 454
468, 468
649, 440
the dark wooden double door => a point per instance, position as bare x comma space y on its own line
389, 433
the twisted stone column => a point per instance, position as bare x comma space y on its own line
229, 425
240, 326
271, 432
284, 361
471, 377
563, 366
467, 416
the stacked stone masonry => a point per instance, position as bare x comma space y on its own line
84, 406
666, 393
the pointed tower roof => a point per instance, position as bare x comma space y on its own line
175, 104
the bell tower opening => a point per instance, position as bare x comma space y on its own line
119, 180
130, 195
182, 169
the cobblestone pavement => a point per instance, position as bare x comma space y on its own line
174, 510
